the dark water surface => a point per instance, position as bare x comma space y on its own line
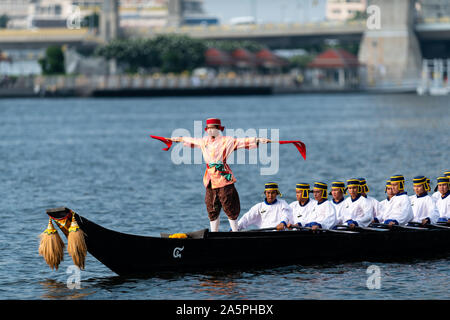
95, 157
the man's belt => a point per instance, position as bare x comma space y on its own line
221, 169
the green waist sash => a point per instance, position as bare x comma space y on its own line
219, 166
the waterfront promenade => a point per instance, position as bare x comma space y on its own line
162, 85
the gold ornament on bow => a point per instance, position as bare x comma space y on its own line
76, 243
51, 246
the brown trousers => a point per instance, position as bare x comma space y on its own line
226, 198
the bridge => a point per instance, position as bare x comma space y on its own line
392, 53
273, 35
279, 36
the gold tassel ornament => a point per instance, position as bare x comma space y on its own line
51, 246
76, 243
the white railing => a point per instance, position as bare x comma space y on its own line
118, 82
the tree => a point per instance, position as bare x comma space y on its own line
179, 53
91, 21
300, 61
169, 53
133, 53
53, 62
3, 21
229, 45
359, 15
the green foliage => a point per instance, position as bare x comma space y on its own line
91, 21
300, 61
350, 47
228, 45
359, 15
53, 62
3, 21
170, 53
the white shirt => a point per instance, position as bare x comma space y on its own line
443, 206
436, 195
375, 206
359, 210
382, 208
399, 209
322, 213
264, 215
424, 207
338, 206
299, 211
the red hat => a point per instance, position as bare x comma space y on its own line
214, 121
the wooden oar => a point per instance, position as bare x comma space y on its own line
302, 228
396, 226
262, 229
429, 226
325, 230
362, 228
439, 226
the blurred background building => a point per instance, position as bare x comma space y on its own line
345, 9
289, 35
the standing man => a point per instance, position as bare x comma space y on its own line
443, 202
322, 214
302, 206
423, 206
271, 213
218, 178
399, 211
357, 211
337, 192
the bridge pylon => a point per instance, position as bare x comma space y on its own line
109, 20
390, 49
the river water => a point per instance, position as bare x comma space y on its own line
95, 157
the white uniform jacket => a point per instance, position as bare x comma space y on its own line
383, 207
322, 213
375, 206
359, 210
436, 195
264, 215
424, 207
299, 211
399, 209
443, 205
338, 206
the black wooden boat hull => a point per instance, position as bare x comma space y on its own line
127, 254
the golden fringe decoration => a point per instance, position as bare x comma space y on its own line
76, 244
51, 246
178, 236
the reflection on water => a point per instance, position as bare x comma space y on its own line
221, 287
57, 290
95, 157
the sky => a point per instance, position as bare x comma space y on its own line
267, 11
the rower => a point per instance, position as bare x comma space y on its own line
322, 214
271, 213
337, 192
399, 211
385, 203
357, 211
423, 206
443, 202
436, 193
428, 185
302, 206
374, 203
